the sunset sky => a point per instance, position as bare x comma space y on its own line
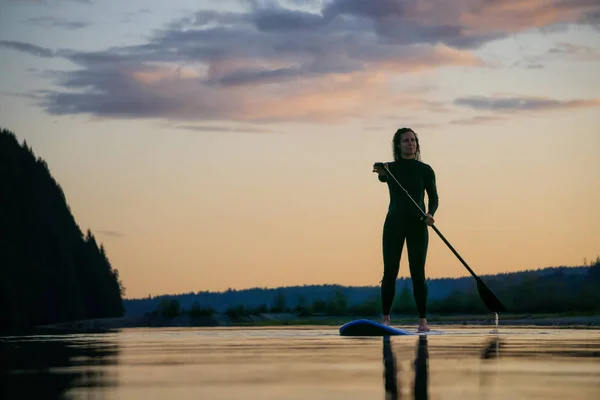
229, 144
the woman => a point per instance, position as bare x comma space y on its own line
404, 222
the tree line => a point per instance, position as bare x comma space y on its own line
553, 292
50, 272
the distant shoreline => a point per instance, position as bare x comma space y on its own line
581, 321
571, 320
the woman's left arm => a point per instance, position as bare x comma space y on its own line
432, 194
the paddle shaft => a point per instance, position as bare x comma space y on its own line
432, 226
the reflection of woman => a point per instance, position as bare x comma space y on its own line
421, 369
391, 384
390, 371
403, 221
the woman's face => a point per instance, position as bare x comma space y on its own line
408, 144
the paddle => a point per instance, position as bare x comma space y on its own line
488, 298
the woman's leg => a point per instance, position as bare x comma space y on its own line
393, 242
417, 241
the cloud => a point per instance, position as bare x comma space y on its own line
578, 52
506, 104
48, 1
592, 18
393, 22
53, 22
182, 94
111, 233
27, 48
281, 19
560, 51
217, 128
270, 62
460, 23
479, 119
304, 3
141, 82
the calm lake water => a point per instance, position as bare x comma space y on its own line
303, 363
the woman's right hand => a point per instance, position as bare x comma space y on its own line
378, 167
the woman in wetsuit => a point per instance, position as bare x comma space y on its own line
404, 222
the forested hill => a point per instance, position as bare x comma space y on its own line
50, 271
552, 289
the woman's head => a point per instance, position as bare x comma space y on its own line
406, 144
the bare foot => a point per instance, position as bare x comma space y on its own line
423, 325
385, 320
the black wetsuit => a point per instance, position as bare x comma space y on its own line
405, 222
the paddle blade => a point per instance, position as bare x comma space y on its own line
488, 298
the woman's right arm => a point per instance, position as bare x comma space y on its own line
381, 172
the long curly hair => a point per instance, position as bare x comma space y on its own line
398, 139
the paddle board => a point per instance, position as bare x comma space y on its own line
366, 327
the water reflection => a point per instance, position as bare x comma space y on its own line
391, 370
491, 349
48, 368
270, 364
392, 384
421, 369
392, 387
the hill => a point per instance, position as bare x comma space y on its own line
50, 272
552, 289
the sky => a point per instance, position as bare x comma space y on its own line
211, 145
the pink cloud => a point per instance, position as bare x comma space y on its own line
162, 90
510, 104
271, 63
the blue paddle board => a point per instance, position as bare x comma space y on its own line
366, 327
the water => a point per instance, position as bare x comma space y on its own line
303, 363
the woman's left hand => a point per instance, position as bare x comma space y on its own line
429, 220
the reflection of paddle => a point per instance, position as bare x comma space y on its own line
392, 385
488, 298
491, 349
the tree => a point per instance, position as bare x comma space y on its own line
278, 302
337, 304
404, 301
49, 271
318, 306
301, 306
169, 308
197, 311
